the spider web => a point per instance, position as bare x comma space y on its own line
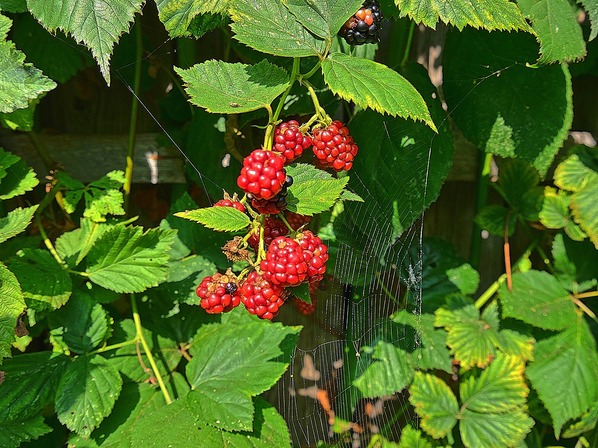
378, 251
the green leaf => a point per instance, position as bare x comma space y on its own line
591, 8
11, 307
482, 430
568, 360
126, 259
539, 299
370, 84
16, 222
14, 433
13, 5
222, 219
557, 29
57, 55
574, 262
401, 157
41, 277
222, 87
81, 324
301, 292
518, 184
20, 119
269, 27
516, 344
471, 337
102, 197
16, 177
231, 409
578, 174
314, 196
86, 394
555, 213
238, 359
177, 15
433, 352
97, 24
323, 18
493, 218
73, 246
390, 372
488, 14
410, 438
20, 82
435, 403
500, 103
30, 383
586, 423
126, 359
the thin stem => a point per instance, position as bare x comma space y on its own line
585, 309
319, 109
312, 72
134, 113
294, 77
107, 348
507, 253
409, 42
284, 219
585, 295
140, 337
48, 243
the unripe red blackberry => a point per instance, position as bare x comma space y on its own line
230, 203
218, 293
305, 308
334, 147
261, 297
289, 141
273, 205
263, 174
285, 262
364, 26
315, 254
295, 220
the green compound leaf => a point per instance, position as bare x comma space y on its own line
502, 105
16, 177
11, 307
539, 299
30, 383
125, 259
242, 354
41, 277
370, 84
126, 359
435, 403
557, 29
487, 14
86, 394
222, 87
324, 18
14, 433
493, 218
579, 175
390, 372
433, 353
471, 337
96, 23
177, 15
16, 222
493, 414
82, 324
222, 219
102, 197
314, 196
57, 55
555, 213
269, 27
410, 438
567, 360
73, 246
20, 82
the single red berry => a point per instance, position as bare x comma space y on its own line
334, 147
230, 203
261, 297
273, 228
285, 262
289, 141
218, 293
270, 206
295, 220
315, 254
263, 174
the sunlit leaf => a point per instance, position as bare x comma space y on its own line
223, 219
435, 403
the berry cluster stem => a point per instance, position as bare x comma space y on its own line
320, 112
140, 337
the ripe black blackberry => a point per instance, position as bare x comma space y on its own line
364, 26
